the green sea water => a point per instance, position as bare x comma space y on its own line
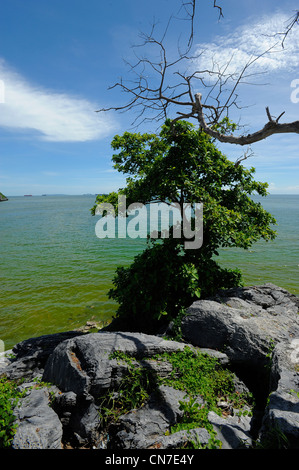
55, 273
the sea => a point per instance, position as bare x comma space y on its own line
55, 273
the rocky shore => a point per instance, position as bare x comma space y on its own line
251, 331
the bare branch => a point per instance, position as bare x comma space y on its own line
219, 8
272, 127
293, 20
245, 156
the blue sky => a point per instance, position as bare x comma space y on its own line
58, 58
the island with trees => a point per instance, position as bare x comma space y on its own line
3, 198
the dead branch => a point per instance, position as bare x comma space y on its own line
270, 128
245, 156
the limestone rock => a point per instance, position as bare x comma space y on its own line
243, 322
234, 431
258, 328
146, 427
252, 330
83, 365
30, 356
282, 411
38, 426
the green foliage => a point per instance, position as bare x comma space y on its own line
198, 375
157, 283
132, 392
201, 374
182, 165
8, 400
111, 198
225, 126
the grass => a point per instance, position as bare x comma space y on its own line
194, 373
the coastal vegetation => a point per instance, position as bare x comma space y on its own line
2, 197
9, 396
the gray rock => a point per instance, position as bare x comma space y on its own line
240, 327
281, 416
38, 426
248, 323
243, 322
145, 428
83, 364
234, 431
220, 356
30, 356
85, 421
199, 437
81, 370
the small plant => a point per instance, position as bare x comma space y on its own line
176, 328
202, 375
8, 400
292, 391
196, 416
132, 392
269, 354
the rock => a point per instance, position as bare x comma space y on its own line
250, 324
85, 421
253, 331
29, 356
220, 356
38, 426
243, 322
146, 427
82, 364
180, 439
234, 432
281, 419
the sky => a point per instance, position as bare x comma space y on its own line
58, 59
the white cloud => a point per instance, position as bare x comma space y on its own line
57, 117
283, 189
248, 42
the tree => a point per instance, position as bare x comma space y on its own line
163, 85
183, 165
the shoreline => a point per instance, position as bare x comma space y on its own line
92, 325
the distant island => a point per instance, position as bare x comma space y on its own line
3, 198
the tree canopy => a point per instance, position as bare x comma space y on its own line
183, 165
